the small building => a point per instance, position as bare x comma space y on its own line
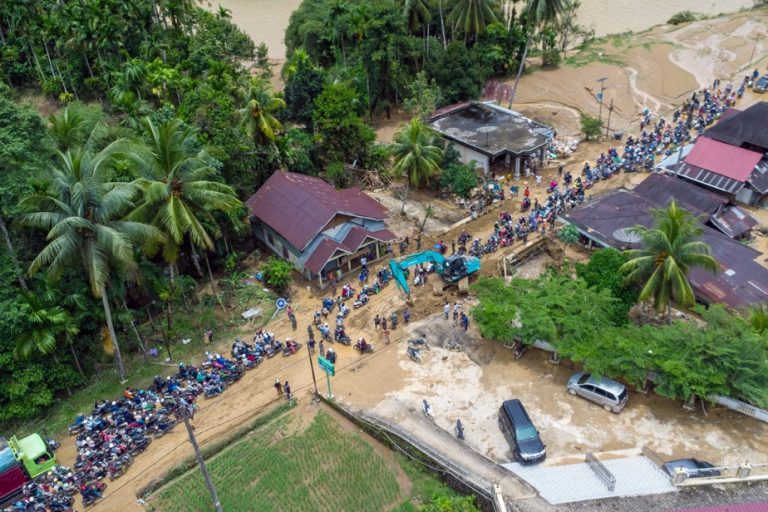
496, 138
731, 158
607, 222
319, 229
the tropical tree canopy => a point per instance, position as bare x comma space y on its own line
472, 16
669, 251
257, 115
415, 153
176, 175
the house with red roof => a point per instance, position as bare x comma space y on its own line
319, 229
731, 158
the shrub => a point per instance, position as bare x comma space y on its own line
277, 273
682, 17
591, 127
459, 178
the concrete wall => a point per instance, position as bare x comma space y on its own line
469, 154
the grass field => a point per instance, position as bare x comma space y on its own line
283, 467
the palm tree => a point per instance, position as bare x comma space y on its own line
174, 173
669, 251
45, 323
179, 195
472, 16
257, 116
83, 214
758, 317
537, 14
416, 156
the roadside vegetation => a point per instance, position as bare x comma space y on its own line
588, 318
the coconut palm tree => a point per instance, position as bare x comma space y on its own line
537, 14
758, 317
257, 116
176, 175
472, 16
83, 213
416, 156
669, 250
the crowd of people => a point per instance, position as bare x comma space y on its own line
661, 138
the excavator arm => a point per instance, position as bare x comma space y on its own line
399, 266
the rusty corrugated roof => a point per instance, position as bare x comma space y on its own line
298, 207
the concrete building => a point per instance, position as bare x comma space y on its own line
497, 139
319, 229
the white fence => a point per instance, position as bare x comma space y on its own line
743, 408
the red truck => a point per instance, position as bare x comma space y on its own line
22, 460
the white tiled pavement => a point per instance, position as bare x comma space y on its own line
635, 476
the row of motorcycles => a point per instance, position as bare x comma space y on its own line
116, 431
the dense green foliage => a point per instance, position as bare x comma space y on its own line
725, 355
602, 273
277, 273
459, 178
383, 46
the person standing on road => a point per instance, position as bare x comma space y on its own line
321, 348
287, 391
446, 310
464, 322
456, 308
384, 323
311, 345
393, 320
406, 316
376, 322
385, 335
278, 387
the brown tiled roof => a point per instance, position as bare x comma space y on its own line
298, 207
323, 253
351, 243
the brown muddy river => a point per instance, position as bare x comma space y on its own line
265, 20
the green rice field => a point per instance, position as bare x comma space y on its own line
279, 467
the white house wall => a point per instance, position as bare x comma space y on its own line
469, 154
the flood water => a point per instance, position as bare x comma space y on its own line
265, 20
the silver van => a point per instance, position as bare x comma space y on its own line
610, 394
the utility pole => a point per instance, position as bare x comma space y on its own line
316, 396
757, 38
184, 412
608, 125
600, 95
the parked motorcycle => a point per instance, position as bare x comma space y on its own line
420, 342
414, 354
291, 348
453, 346
367, 349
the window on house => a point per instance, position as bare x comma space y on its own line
270, 239
285, 253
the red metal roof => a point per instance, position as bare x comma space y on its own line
323, 253
731, 507
724, 159
298, 207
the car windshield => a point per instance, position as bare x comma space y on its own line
526, 433
584, 378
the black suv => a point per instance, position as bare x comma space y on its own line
521, 433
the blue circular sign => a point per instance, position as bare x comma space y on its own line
281, 303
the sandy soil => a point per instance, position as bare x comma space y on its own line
471, 385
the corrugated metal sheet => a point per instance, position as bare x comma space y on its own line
299, 206
726, 160
734, 222
660, 189
746, 128
740, 282
710, 179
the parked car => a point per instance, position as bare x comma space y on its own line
521, 433
610, 394
761, 85
695, 468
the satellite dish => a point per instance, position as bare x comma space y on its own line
627, 236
